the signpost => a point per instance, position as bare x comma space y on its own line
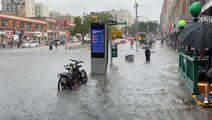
122, 23
114, 35
112, 22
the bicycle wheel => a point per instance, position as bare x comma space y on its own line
84, 77
62, 83
71, 82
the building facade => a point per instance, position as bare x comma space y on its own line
173, 12
25, 8
65, 18
29, 28
41, 10
121, 16
54, 14
164, 21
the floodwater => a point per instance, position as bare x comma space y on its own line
130, 90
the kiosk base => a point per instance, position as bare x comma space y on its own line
99, 65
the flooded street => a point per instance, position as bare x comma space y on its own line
130, 91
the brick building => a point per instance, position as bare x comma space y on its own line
31, 28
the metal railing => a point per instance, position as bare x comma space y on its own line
189, 71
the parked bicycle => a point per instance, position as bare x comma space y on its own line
73, 77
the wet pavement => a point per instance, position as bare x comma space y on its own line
130, 91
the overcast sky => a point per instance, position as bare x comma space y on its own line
147, 8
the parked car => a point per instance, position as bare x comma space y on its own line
30, 44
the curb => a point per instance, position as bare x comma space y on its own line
78, 46
201, 103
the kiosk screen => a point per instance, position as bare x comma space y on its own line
97, 40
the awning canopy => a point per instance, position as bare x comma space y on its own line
207, 9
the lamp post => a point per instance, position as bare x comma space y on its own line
181, 25
136, 22
195, 9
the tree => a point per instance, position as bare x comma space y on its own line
78, 24
83, 24
147, 27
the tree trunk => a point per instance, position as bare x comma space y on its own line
83, 39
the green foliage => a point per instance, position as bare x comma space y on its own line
78, 24
83, 24
147, 27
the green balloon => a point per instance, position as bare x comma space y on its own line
182, 23
195, 9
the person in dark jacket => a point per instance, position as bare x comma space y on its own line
56, 44
131, 43
147, 54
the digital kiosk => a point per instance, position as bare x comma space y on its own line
99, 48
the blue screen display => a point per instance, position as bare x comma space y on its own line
98, 40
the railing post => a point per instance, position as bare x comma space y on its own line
195, 74
180, 59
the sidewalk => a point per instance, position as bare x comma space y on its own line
70, 46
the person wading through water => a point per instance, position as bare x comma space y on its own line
147, 54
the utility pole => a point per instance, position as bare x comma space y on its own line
136, 22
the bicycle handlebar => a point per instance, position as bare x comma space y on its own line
76, 62
68, 65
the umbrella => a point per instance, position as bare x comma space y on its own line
56, 40
197, 35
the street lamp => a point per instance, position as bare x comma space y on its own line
136, 22
181, 24
195, 9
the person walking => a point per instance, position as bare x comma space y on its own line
131, 43
56, 45
147, 54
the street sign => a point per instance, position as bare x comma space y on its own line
122, 23
113, 34
118, 34
112, 22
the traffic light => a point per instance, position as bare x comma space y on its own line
95, 18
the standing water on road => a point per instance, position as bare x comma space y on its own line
131, 90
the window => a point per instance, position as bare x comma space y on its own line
4, 23
22, 25
29, 26
36, 27
41, 27
14, 24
